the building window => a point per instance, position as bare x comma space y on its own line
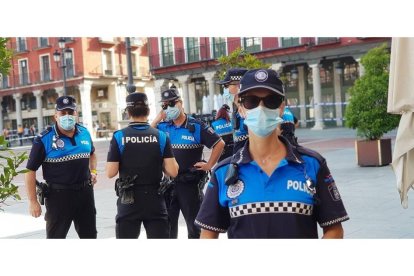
43, 42
252, 44
107, 61
45, 70
324, 40
70, 70
193, 49
167, 51
219, 47
289, 41
134, 64
5, 82
21, 44
350, 73
24, 75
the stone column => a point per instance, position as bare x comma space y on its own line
39, 109
159, 86
277, 67
59, 91
183, 81
317, 96
210, 77
361, 68
302, 77
18, 97
338, 95
85, 93
1, 115
192, 98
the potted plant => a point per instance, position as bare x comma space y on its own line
367, 109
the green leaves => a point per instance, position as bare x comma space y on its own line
367, 108
5, 56
239, 58
9, 164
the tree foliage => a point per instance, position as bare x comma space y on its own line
9, 164
367, 108
5, 56
241, 59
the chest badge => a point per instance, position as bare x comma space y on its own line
235, 189
60, 144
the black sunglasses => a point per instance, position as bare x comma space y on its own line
169, 104
270, 101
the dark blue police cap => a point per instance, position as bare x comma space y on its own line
233, 74
136, 98
262, 78
65, 102
170, 94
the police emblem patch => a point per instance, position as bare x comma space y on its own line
210, 130
261, 76
166, 94
59, 143
236, 189
65, 100
333, 191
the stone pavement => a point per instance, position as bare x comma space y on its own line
369, 194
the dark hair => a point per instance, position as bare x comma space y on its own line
222, 113
138, 110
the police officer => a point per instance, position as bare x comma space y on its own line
270, 189
288, 126
188, 138
140, 153
66, 154
231, 84
223, 127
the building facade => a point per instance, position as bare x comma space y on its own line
317, 70
96, 75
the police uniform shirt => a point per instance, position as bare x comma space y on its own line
64, 160
288, 116
240, 134
279, 206
224, 129
188, 140
142, 148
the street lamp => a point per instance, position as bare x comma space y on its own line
65, 53
130, 86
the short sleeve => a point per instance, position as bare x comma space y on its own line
208, 136
113, 154
37, 155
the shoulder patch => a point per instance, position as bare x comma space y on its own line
311, 153
210, 130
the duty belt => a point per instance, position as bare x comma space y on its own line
76, 186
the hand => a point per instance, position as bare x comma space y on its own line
160, 116
202, 166
34, 208
93, 179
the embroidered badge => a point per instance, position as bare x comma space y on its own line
261, 76
333, 191
59, 143
236, 189
166, 94
210, 130
65, 100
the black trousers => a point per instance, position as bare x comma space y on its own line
185, 197
64, 206
148, 209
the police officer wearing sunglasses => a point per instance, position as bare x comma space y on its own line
66, 153
188, 137
140, 154
270, 189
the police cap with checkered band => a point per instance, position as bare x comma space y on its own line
65, 102
136, 98
233, 74
170, 94
262, 78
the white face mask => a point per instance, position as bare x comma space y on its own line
172, 113
67, 122
262, 120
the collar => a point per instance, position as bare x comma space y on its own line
184, 124
242, 156
138, 124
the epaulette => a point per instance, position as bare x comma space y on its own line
223, 162
307, 151
44, 132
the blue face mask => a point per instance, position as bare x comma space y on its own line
262, 120
227, 96
172, 113
67, 122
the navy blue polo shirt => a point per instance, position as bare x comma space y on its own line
188, 140
64, 160
241, 134
279, 206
